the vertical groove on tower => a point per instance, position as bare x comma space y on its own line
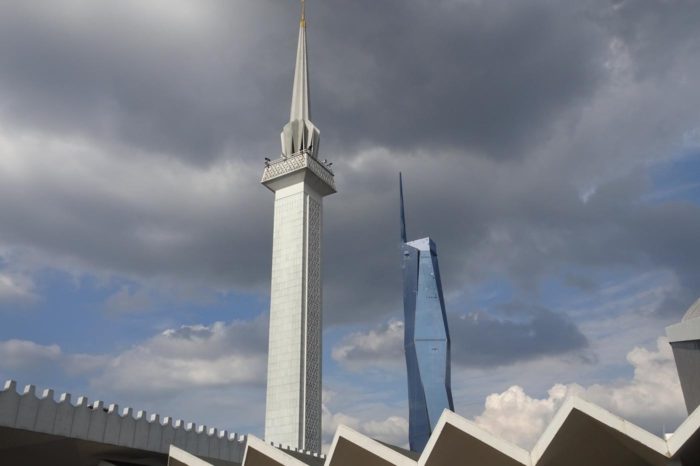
304, 324
313, 340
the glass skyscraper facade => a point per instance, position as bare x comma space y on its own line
426, 336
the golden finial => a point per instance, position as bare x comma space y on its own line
303, 14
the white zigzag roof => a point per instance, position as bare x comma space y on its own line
580, 434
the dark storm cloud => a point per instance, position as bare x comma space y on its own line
406, 75
523, 229
498, 112
670, 235
659, 33
477, 340
147, 77
143, 83
166, 233
481, 76
483, 341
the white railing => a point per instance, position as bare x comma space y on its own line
298, 161
98, 423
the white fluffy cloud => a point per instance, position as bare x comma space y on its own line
169, 363
391, 429
517, 417
28, 357
188, 357
380, 348
20, 354
652, 399
14, 287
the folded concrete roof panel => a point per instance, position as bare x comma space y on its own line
350, 448
179, 457
456, 438
582, 433
260, 453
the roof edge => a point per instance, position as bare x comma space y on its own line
368, 444
605, 417
684, 432
499, 444
275, 454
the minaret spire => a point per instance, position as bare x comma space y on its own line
300, 134
300, 95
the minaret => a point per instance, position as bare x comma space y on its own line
299, 181
426, 336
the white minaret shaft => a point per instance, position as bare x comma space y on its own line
299, 181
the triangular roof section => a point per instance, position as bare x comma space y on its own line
455, 437
351, 448
582, 432
177, 456
260, 453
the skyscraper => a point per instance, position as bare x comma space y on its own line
426, 336
299, 181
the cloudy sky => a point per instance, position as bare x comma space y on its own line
551, 149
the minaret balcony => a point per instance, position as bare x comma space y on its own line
298, 167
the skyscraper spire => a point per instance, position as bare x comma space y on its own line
300, 134
403, 213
